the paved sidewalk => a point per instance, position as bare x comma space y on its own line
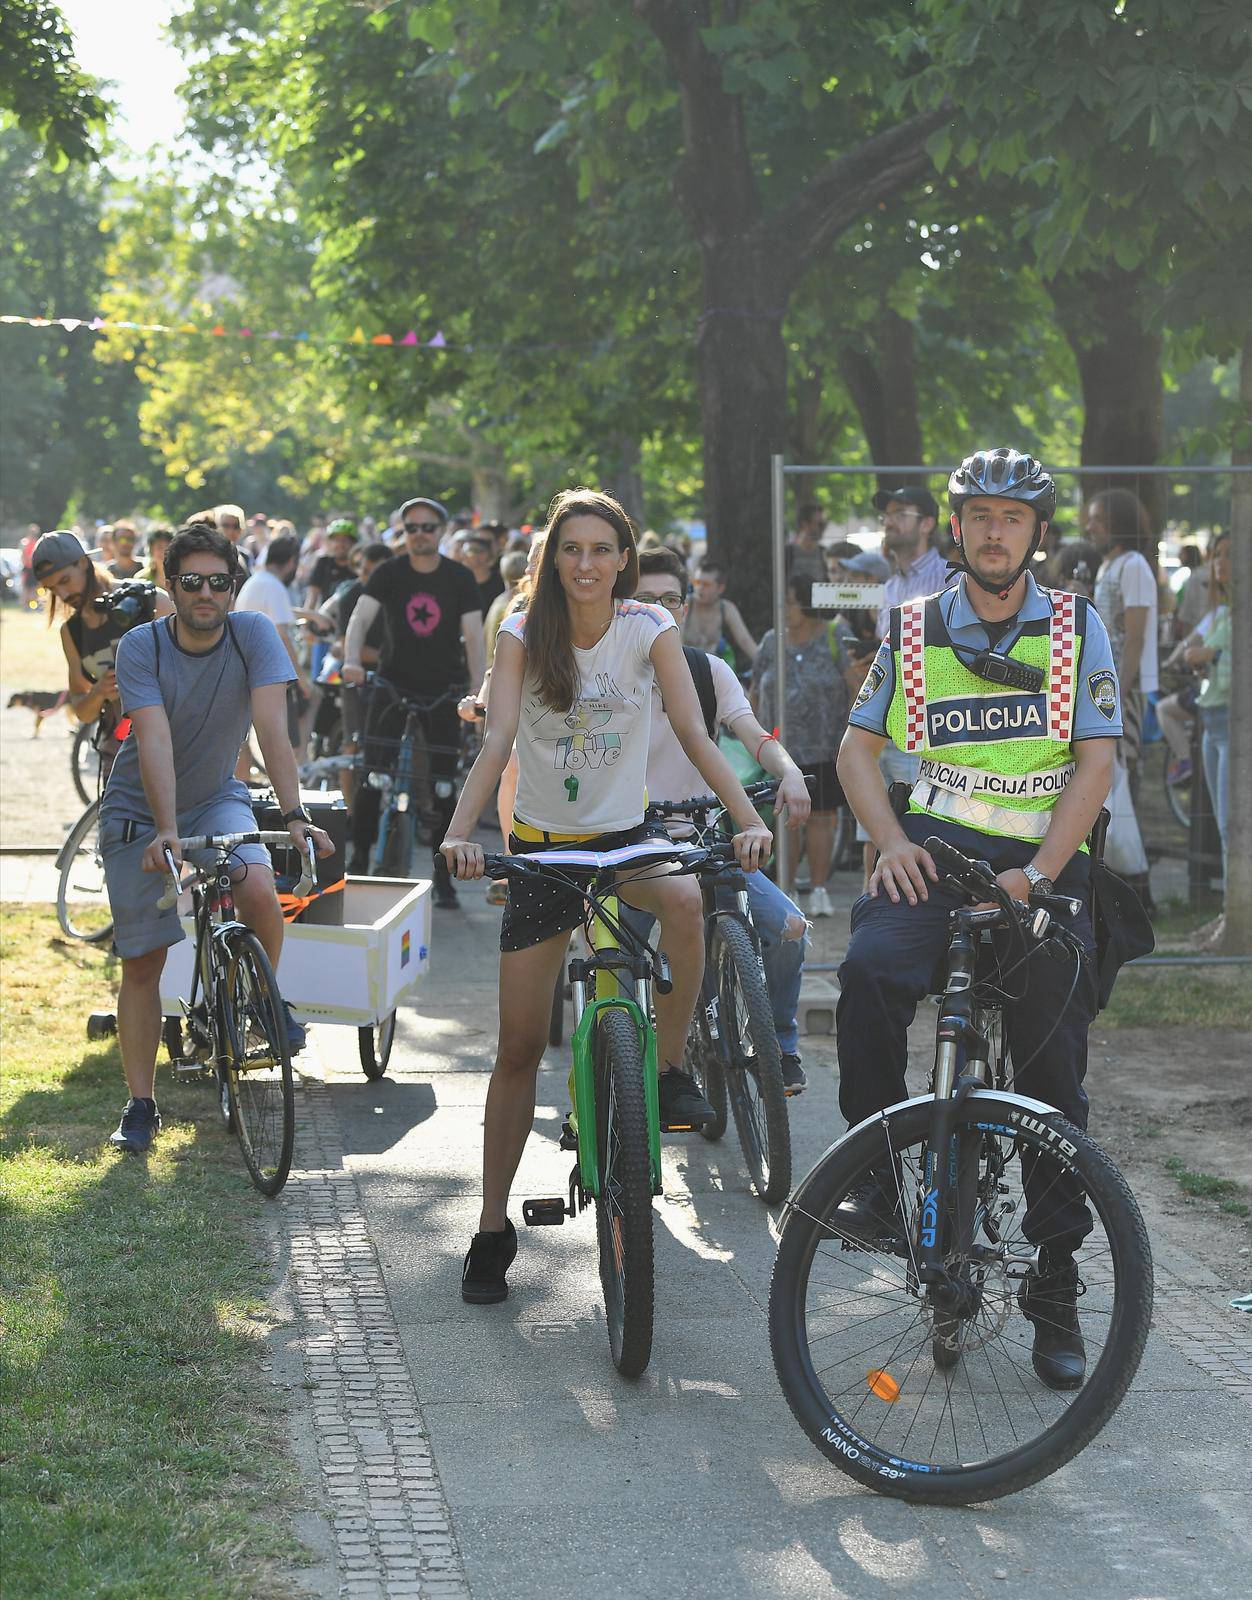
563, 1481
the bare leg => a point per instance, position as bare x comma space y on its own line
527, 978
820, 840
139, 1020
257, 905
677, 904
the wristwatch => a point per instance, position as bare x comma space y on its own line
1039, 882
301, 815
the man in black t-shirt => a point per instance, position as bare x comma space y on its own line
430, 610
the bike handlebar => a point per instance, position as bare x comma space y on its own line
978, 881
764, 790
226, 842
711, 858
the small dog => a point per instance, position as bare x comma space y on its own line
43, 702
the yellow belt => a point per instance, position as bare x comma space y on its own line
523, 830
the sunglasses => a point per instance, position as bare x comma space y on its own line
193, 582
422, 527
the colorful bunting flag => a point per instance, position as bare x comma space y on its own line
409, 340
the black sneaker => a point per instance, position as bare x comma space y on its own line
795, 1079
140, 1124
446, 897
1048, 1299
870, 1210
488, 1258
297, 1034
682, 1104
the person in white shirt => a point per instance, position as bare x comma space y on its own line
266, 591
572, 685
1126, 598
779, 922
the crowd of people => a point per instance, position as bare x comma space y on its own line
961, 695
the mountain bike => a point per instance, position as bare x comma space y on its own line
905, 1355
614, 1124
234, 1022
400, 769
732, 1049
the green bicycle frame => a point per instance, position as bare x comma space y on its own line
582, 1077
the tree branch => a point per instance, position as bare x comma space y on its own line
847, 188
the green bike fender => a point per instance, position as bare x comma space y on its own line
583, 1094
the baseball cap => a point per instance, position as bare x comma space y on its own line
870, 565
913, 494
440, 511
54, 551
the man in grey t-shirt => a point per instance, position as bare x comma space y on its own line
190, 684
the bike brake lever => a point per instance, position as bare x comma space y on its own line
170, 897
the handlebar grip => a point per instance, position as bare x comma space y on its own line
974, 876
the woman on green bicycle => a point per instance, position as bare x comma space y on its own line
572, 684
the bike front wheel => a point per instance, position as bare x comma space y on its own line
85, 763
892, 1387
82, 895
395, 858
258, 1076
700, 1059
624, 1204
751, 1061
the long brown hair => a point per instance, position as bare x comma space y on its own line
99, 581
550, 663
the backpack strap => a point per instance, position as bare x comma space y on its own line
702, 677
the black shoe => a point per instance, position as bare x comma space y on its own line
795, 1080
446, 897
140, 1124
682, 1104
870, 1210
1048, 1299
297, 1034
359, 864
488, 1258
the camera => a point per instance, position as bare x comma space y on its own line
130, 603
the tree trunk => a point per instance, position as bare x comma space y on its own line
881, 376
489, 493
622, 477
1103, 316
1238, 935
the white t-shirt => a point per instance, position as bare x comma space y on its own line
1128, 580
585, 770
267, 594
671, 773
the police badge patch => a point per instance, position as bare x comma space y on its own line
869, 688
1102, 687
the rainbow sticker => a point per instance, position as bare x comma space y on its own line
405, 949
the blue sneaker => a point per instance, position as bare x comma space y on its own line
297, 1033
140, 1124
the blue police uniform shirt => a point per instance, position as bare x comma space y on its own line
967, 629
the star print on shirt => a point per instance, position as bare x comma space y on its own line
424, 614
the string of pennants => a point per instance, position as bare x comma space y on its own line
219, 330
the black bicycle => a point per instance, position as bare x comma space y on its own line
732, 1049
400, 769
234, 1026
904, 1343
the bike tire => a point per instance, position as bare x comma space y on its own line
395, 859
82, 895
258, 1073
624, 1204
1178, 797
85, 763
751, 1061
843, 1400
700, 1059
374, 1046
556, 1017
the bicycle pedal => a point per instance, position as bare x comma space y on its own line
679, 1127
546, 1213
568, 1139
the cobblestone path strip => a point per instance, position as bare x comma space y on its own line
392, 1528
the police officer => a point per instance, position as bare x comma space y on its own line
1007, 693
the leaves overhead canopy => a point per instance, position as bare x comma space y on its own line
42, 89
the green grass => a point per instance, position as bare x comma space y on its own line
1225, 1192
1156, 997
1176, 920
142, 1450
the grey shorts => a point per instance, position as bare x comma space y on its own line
138, 926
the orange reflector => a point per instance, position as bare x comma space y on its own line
882, 1384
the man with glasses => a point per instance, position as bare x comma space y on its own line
229, 520
433, 634
909, 517
190, 684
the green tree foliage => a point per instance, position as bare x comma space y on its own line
69, 434
42, 89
